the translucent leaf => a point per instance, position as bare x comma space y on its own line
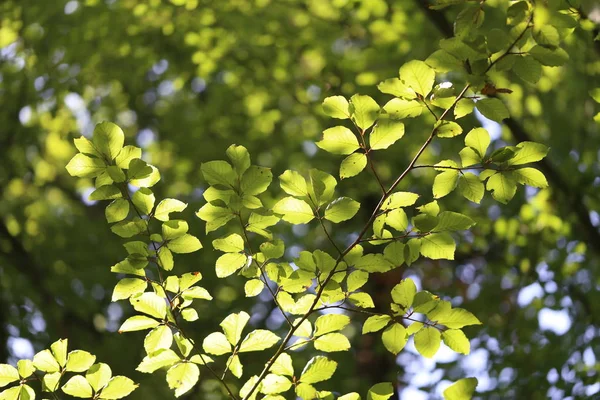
127, 287
274, 249
273, 384
493, 109
399, 199
283, 365
215, 217
444, 183
182, 377
138, 323
318, 369
165, 258
184, 244
11, 394
240, 158
451, 221
332, 342
98, 376
45, 361
503, 186
549, 57
235, 366
108, 139
78, 386
159, 338
83, 166
380, 391
116, 174
86, 146
457, 341
427, 341
294, 210
256, 180
233, 325
373, 263
404, 293
353, 165
25, 368
364, 111
341, 209
9, 374
361, 299
50, 381
447, 129
397, 219
79, 361
196, 292
471, 187
418, 76
245, 390
394, 338
330, 323
458, 318
174, 229
157, 360
443, 61
339, 140
150, 303
531, 177
106, 192
305, 329
394, 253
229, 263
386, 133
400, 108
463, 107
218, 173
216, 343
336, 107
127, 154
59, 351
117, 388
479, 140
438, 246
117, 210
143, 200
259, 339
356, 280
528, 152
293, 183
395, 87
462, 389
322, 186
469, 156
127, 229
350, 396
189, 314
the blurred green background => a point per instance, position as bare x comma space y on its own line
186, 78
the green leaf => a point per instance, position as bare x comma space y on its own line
528, 152
182, 377
381, 391
457, 341
98, 376
79, 361
375, 323
83, 166
127, 154
256, 180
150, 303
503, 186
240, 158
395, 87
404, 293
274, 249
216, 343
356, 280
117, 210
159, 359
229, 263
451, 221
127, 287
427, 341
442, 61
457, 318
549, 57
12, 393
108, 139
330, 323
332, 342
364, 111
318, 369
78, 386
493, 109
59, 351
106, 192
184, 244
322, 186
336, 107
158, 338
361, 299
353, 165
479, 140
166, 207
471, 187
259, 339
418, 76
50, 381
141, 178
438, 246
400, 108
117, 388
283, 365
45, 361
214, 216
143, 200
86, 146
528, 69
138, 323
25, 368
399, 199
447, 129
463, 107
385, 134
445, 182
196, 292
294, 210
341, 209
462, 389
233, 325
233, 243
373, 263
394, 338
9, 374
218, 173
165, 258
127, 229
273, 384
293, 183
497, 40
116, 174
339, 140
531, 177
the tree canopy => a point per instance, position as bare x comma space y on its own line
308, 111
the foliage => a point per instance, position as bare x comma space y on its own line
255, 228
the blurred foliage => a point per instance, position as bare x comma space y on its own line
186, 78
